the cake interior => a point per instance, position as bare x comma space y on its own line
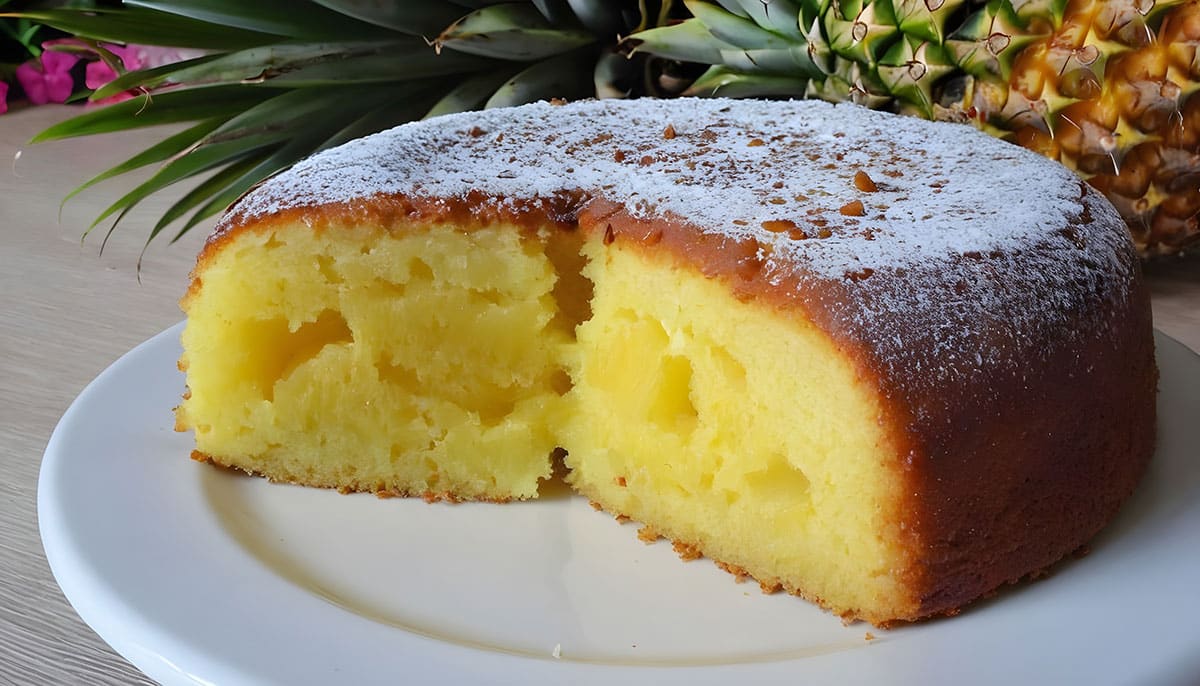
454, 360
732, 431
420, 362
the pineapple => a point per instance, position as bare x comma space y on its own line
1107, 87
1110, 88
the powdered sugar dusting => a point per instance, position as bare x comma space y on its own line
730, 166
978, 230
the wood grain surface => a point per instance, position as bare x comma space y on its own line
67, 312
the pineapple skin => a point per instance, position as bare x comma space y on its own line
1109, 88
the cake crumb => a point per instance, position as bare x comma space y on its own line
621, 519
669, 132
864, 183
557, 652
854, 208
756, 142
647, 535
595, 505
778, 225
770, 588
739, 575
686, 551
869, 636
620, 481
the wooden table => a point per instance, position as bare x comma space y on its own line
68, 312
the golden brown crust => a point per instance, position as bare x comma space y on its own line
686, 551
345, 489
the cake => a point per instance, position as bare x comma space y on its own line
884, 364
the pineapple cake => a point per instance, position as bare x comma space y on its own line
855, 356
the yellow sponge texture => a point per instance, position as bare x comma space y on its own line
452, 361
422, 362
731, 429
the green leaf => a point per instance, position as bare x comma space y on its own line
262, 167
601, 17
402, 108
268, 123
734, 7
295, 65
140, 78
562, 76
479, 4
147, 27
158, 152
470, 94
416, 17
278, 17
790, 61
916, 19
777, 16
611, 71
555, 11
511, 32
687, 41
743, 33
163, 108
204, 191
721, 81
412, 62
254, 170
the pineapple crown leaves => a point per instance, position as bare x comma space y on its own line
881, 53
510, 32
281, 79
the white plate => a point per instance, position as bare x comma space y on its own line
199, 575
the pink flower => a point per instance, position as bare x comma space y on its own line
100, 73
132, 57
48, 80
3, 97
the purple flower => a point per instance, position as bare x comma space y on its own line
3, 97
49, 79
